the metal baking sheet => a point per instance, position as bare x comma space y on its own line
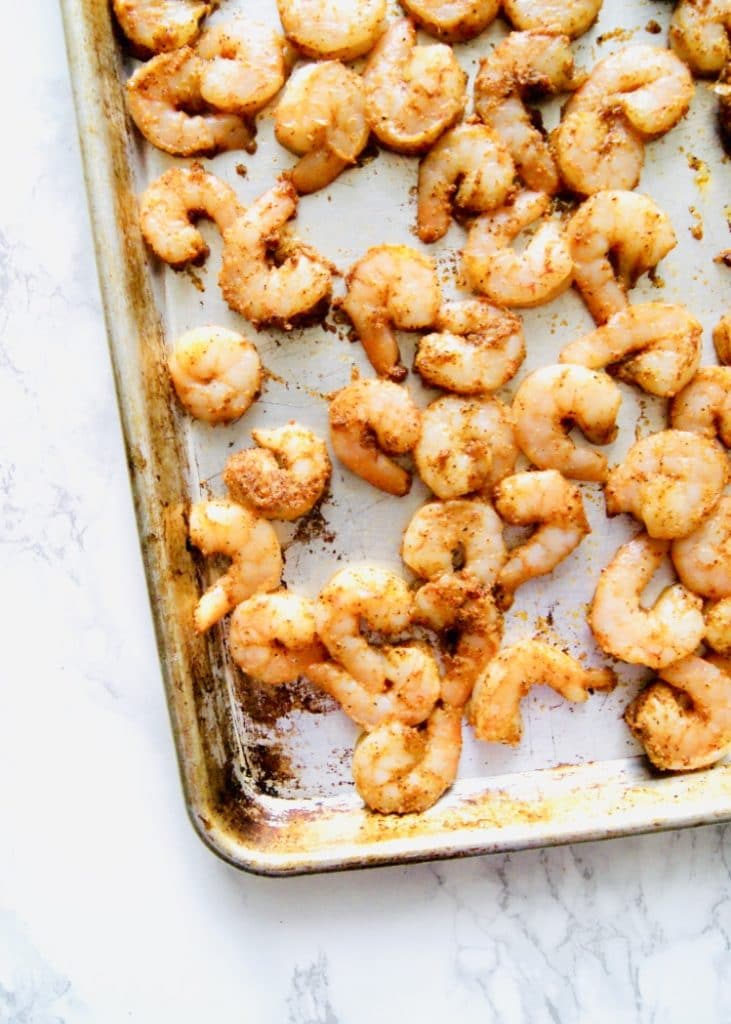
267, 773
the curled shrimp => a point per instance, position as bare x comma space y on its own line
718, 625
684, 722
156, 26
702, 560
458, 536
273, 637
657, 636
370, 420
252, 284
454, 21
670, 481
245, 65
551, 398
172, 201
333, 29
216, 373
413, 93
476, 348
494, 708
223, 527
704, 406
321, 118
391, 286
699, 34
626, 226
284, 477
557, 16
722, 339
470, 167
655, 345
545, 498
466, 445
538, 274
404, 770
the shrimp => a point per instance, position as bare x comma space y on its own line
155, 26
478, 348
684, 722
704, 406
454, 21
466, 445
670, 481
391, 286
538, 274
216, 373
569, 19
168, 205
718, 625
628, 227
470, 167
245, 65
596, 149
702, 560
525, 62
284, 477
699, 34
494, 708
164, 100
333, 29
655, 345
321, 118
403, 770
254, 285
657, 636
455, 537
548, 499
223, 527
273, 638
368, 419
722, 339
413, 93
551, 398
723, 91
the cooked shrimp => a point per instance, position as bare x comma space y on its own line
155, 26
670, 481
254, 285
704, 406
722, 339
273, 638
321, 118
454, 21
703, 558
216, 373
245, 65
699, 34
413, 93
653, 344
596, 149
723, 90
391, 286
551, 398
223, 527
169, 204
164, 100
626, 226
686, 724
548, 499
284, 477
466, 445
478, 348
333, 29
446, 537
402, 770
718, 625
542, 271
469, 167
494, 709
368, 419
525, 63
570, 19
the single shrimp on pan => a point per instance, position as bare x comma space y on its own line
273, 637
461, 537
216, 373
155, 26
556, 16
333, 29
700, 34
454, 21
702, 560
245, 64
704, 406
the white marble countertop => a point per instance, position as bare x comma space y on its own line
111, 910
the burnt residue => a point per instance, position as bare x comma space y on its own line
268, 705
314, 526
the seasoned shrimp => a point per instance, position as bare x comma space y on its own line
216, 373
494, 709
569, 19
368, 419
155, 26
670, 481
391, 286
722, 339
466, 445
703, 558
655, 345
704, 406
477, 348
454, 21
687, 724
551, 398
469, 167
321, 118
699, 34
459, 536
284, 477
254, 285
333, 29
164, 100
657, 636
169, 204
245, 65
273, 637
626, 226
542, 271
548, 499
403, 770
223, 527
413, 93
718, 625
523, 63
596, 149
